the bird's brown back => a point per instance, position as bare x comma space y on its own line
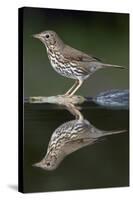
77, 55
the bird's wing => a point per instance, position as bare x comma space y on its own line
76, 144
76, 55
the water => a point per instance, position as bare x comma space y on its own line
100, 165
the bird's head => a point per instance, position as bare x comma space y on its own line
50, 161
46, 164
49, 38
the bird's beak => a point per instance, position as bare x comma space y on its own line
39, 164
38, 36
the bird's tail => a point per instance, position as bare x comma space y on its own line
114, 132
110, 65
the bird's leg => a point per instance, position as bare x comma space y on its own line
75, 89
74, 110
70, 90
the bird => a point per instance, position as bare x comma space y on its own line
68, 138
68, 61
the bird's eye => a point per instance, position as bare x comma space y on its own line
47, 36
48, 163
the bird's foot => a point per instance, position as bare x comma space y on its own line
73, 99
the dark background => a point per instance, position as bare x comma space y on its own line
105, 35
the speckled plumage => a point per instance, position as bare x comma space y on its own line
70, 137
70, 62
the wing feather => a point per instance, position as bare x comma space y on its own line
76, 55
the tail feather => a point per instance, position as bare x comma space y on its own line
115, 132
110, 65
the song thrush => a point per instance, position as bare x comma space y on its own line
70, 137
70, 62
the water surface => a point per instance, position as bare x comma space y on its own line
103, 164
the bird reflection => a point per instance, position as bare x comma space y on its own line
70, 137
